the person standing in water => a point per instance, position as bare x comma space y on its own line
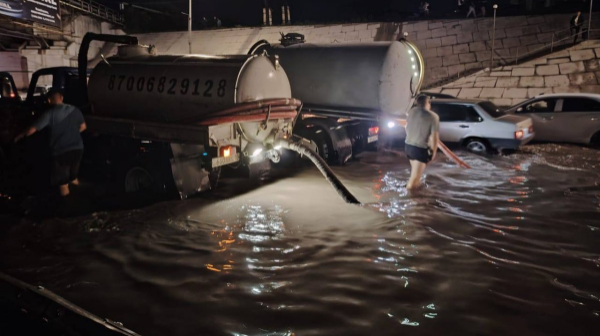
422, 137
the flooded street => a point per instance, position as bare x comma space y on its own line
510, 247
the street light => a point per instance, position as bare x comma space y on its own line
589, 35
189, 15
493, 38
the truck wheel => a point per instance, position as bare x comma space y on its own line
148, 178
324, 146
477, 146
139, 180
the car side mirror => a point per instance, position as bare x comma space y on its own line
520, 109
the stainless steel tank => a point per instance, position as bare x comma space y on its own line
141, 86
379, 76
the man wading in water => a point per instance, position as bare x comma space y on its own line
65, 123
422, 136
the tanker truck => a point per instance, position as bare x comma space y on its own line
186, 116
168, 123
349, 91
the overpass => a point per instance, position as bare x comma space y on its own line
452, 48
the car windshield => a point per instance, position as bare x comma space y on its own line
492, 109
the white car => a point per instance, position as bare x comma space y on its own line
478, 125
563, 117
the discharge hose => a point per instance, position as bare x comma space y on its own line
323, 168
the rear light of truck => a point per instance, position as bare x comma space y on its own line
519, 135
373, 130
226, 151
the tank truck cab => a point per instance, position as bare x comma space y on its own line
15, 114
24, 165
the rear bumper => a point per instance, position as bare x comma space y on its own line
510, 143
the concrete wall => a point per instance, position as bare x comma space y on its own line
449, 46
16, 64
576, 69
63, 52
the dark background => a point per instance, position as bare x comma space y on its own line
249, 12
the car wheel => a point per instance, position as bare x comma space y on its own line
477, 146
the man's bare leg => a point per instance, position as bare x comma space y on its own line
417, 169
64, 190
75, 182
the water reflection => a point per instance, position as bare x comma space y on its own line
515, 234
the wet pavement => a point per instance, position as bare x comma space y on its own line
510, 247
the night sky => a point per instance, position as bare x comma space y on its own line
249, 12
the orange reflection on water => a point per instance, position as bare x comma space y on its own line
212, 268
225, 239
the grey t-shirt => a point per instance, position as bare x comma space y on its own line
63, 122
420, 124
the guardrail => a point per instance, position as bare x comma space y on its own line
95, 9
555, 42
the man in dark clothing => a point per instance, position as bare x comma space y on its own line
576, 24
65, 123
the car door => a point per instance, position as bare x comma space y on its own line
454, 121
542, 112
577, 119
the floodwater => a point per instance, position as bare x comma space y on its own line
510, 247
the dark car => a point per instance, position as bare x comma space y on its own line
12, 8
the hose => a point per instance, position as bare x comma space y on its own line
323, 168
260, 106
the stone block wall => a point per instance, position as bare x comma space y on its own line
472, 41
576, 69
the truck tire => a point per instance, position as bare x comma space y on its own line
137, 179
477, 146
324, 146
148, 178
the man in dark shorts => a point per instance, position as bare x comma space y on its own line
65, 123
422, 136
